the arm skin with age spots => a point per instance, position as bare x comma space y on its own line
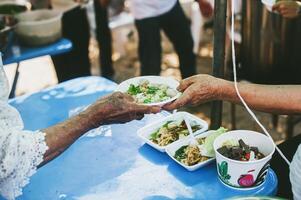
115, 108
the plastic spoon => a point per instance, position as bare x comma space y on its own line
194, 141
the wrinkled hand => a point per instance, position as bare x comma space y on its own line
118, 108
288, 8
206, 8
196, 90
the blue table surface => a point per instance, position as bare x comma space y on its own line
17, 53
115, 163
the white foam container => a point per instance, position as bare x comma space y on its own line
171, 150
145, 132
170, 82
244, 174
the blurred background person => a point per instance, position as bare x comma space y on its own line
150, 18
75, 63
104, 37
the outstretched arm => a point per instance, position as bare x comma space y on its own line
280, 99
116, 108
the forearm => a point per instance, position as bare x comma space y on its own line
61, 136
279, 99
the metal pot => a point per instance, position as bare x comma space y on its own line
13, 7
39, 27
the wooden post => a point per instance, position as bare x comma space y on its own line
220, 14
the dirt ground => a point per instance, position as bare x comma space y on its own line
39, 73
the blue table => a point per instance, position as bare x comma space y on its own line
17, 53
114, 164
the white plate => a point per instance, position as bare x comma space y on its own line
146, 131
170, 82
171, 150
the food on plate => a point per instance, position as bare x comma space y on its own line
207, 145
195, 153
172, 131
146, 92
189, 155
240, 151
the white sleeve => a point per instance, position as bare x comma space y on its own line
20, 152
295, 174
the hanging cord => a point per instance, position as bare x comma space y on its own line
237, 90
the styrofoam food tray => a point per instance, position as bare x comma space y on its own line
146, 131
171, 150
170, 82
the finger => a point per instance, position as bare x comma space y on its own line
128, 97
186, 83
181, 101
146, 109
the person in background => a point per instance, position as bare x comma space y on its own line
104, 38
23, 151
276, 99
150, 18
75, 63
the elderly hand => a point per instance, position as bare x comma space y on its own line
196, 90
288, 8
117, 108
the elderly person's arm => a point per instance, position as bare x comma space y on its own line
280, 99
116, 108
22, 151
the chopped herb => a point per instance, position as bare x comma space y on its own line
134, 90
180, 153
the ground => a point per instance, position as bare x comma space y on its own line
39, 73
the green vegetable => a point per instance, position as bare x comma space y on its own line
152, 90
133, 90
148, 100
166, 124
180, 153
154, 135
208, 144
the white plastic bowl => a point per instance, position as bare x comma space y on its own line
170, 82
172, 148
39, 27
145, 132
240, 174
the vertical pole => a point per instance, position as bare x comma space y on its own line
220, 14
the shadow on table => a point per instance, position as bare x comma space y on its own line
186, 177
154, 156
193, 178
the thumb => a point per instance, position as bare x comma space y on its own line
181, 101
185, 84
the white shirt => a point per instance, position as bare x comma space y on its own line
150, 8
20, 151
